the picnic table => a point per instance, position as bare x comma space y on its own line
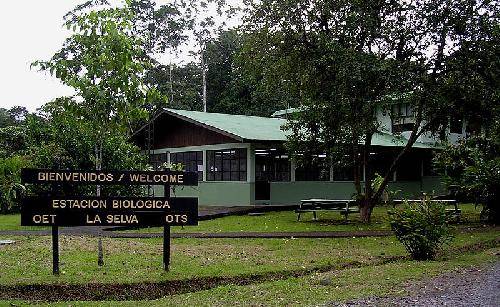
344, 206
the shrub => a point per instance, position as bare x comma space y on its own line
10, 183
422, 227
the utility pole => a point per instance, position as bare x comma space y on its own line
204, 76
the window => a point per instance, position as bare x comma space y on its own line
343, 173
398, 127
401, 117
473, 126
227, 165
379, 163
191, 160
316, 169
271, 165
401, 110
157, 160
456, 124
409, 168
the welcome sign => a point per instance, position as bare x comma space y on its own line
111, 211
39, 176
60, 210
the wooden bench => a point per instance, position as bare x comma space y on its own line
344, 206
453, 212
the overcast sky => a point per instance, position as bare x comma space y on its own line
32, 30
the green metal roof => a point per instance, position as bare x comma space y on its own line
255, 128
245, 127
286, 111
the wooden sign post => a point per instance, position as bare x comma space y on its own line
60, 210
55, 250
166, 236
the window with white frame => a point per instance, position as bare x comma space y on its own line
227, 165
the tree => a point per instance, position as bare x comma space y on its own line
10, 183
13, 116
230, 88
472, 168
182, 84
12, 141
5, 119
342, 61
58, 139
12, 131
105, 64
18, 114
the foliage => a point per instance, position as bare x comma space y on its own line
12, 140
13, 116
59, 140
421, 227
231, 88
5, 119
105, 64
161, 27
473, 166
350, 60
181, 84
10, 182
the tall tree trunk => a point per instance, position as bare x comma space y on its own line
365, 210
415, 134
204, 77
367, 202
357, 170
98, 165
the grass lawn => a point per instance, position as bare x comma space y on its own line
313, 289
324, 287
13, 222
277, 221
28, 261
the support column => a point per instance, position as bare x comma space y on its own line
250, 164
331, 169
293, 166
205, 165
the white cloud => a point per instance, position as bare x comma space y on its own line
30, 30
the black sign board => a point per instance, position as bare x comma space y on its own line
111, 211
167, 177
58, 211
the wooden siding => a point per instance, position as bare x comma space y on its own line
170, 131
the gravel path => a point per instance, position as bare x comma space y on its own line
467, 287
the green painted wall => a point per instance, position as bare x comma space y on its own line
429, 185
290, 193
433, 184
218, 193
408, 189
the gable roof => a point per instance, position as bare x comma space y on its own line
252, 128
255, 128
